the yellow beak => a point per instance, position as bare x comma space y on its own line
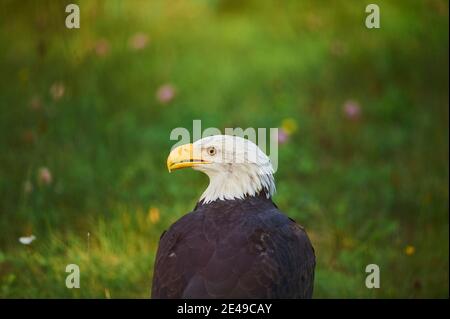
184, 156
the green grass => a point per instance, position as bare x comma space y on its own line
364, 189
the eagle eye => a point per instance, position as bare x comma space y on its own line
211, 151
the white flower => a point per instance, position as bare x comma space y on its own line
27, 240
57, 90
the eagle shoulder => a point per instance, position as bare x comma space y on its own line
245, 251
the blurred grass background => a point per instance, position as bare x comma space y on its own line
86, 116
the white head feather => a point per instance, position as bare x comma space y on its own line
237, 168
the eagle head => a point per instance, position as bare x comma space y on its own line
236, 167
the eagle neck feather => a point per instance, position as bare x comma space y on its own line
238, 182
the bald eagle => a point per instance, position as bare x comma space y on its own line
235, 243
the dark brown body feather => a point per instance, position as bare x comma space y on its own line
234, 249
